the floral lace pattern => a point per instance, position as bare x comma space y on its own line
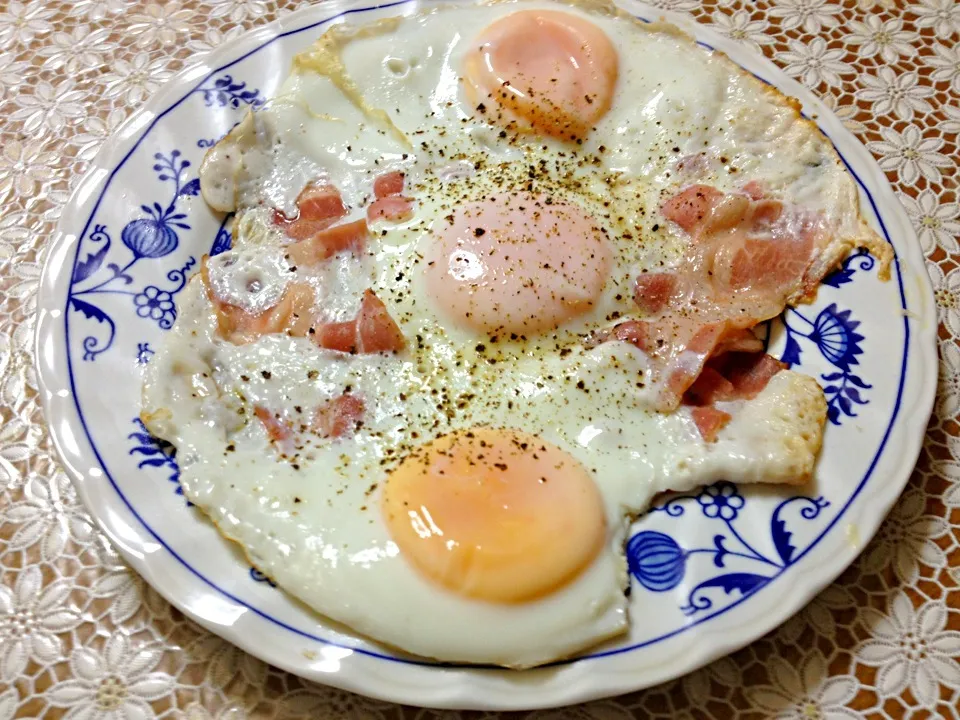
83, 636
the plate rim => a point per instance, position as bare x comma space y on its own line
473, 690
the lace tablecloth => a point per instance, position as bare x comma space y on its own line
80, 634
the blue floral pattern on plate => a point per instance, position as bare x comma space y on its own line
659, 563
156, 453
151, 237
834, 333
224, 91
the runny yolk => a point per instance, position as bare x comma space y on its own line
495, 515
516, 263
543, 70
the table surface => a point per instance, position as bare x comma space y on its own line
81, 634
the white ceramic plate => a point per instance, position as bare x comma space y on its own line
711, 571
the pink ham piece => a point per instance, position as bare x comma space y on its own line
371, 331
326, 243
339, 417
318, 207
653, 291
748, 257
293, 314
389, 204
692, 206
388, 184
278, 431
393, 208
727, 377
710, 421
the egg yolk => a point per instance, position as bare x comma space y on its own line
495, 515
517, 263
544, 70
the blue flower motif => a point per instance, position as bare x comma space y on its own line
149, 238
656, 560
157, 305
833, 332
721, 500
144, 353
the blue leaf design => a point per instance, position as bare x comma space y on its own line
781, 539
860, 260
90, 311
746, 583
158, 453
89, 266
223, 241
858, 382
721, 550
118, 274
854, 394
845, 406
833, 414
153, 462
791, 353
191, 188
832, 376
840, 277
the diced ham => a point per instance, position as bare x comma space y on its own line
710, 421
278, 430
321, 202
683, 363
393, 208
371, 331
748, 256
293, 314
691, 206
389, 204
743, 341
318, 207
653, 291
754, 189
339, 416
630, 331
731, 376
710, 387
328, 242
388, 184
749, 373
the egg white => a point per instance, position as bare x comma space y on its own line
313, 523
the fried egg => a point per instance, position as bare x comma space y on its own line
427, 390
